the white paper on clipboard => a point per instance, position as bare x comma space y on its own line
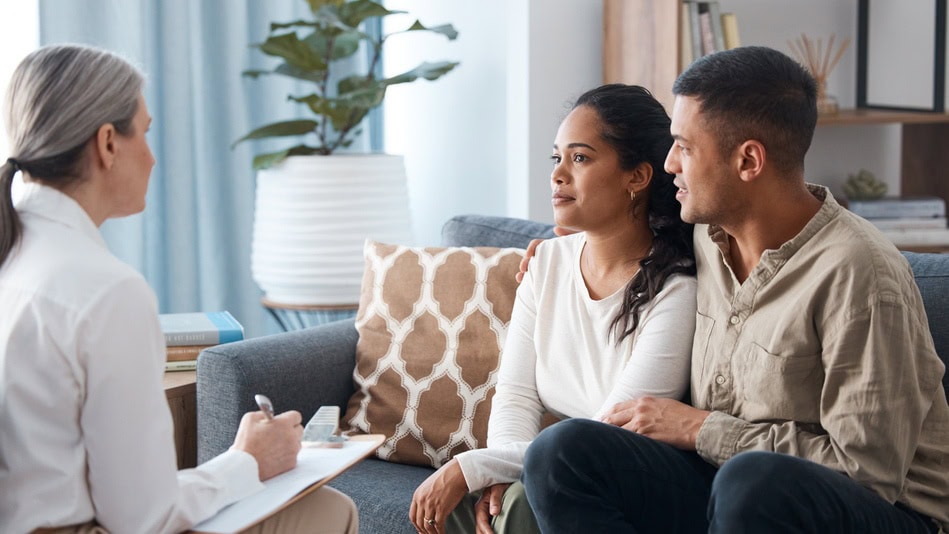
314, 465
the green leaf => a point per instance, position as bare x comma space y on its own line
354, 13
345, 43
274, 26
361, 91
317, 103
429, 71
265, 161
280, 129
255, 73
344, 112
316, 5
293, 51
295, 72
445, 29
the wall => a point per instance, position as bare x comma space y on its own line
16, 41
839, 150
478, 140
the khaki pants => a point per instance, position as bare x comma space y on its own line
516, 516
325, 511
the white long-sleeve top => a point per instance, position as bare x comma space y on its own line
85, 429
561, 356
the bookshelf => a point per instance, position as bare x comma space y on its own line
641, 45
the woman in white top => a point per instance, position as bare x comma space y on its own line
601, 316
86, 439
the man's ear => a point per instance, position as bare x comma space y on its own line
750, 158
105, 148
639, 178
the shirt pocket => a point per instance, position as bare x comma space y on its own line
776, 386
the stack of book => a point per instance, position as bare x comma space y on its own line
705, 29
187, 334
907, 221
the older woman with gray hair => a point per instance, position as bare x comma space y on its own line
86, 440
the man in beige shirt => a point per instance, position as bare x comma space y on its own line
817, 402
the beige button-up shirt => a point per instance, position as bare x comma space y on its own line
823, 352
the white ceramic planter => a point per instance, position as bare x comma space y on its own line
312, 216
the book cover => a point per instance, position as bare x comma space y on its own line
188, 365
695, 29
177, 353
910, 223
685, 38
927, 237
899, 207
730, 31
715, 14
200, 328
705, 25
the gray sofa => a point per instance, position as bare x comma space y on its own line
308, 368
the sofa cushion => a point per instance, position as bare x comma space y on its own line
431, 325
932, 277
493, 231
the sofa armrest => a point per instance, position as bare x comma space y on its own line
300, 370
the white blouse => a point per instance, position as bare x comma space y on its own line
560, 356
85, 430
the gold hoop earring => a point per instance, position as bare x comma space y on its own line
632, 196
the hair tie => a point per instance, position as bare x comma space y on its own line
15, 163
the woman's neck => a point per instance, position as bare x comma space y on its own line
609, 259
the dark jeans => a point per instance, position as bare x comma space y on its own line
585, 476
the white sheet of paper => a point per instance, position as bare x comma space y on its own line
313, 464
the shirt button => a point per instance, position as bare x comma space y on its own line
719, 380
734, 319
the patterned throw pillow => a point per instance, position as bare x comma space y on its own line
431, 325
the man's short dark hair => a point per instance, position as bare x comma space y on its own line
755, 92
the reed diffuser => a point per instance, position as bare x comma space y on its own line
820, 62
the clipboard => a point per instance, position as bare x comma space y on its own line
251, 511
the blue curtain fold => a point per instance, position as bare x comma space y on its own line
192, 243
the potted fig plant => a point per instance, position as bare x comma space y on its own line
315, 205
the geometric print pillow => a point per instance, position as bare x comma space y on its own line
431, 322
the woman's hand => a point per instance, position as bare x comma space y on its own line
437, 497
488, 506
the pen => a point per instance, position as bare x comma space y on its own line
265, 405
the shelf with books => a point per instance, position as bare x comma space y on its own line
643, 43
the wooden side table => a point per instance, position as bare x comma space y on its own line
181, 391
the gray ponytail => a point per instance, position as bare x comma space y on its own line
58, 98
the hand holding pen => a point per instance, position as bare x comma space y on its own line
273, 440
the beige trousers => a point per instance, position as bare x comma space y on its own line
325, 511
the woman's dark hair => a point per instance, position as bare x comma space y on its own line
635, 124
58, 98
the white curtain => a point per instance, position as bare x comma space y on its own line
192, 243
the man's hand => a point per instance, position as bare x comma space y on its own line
435, 498
665, 420
274, 443
532, 246
488, 506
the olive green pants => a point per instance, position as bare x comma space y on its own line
516, 516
